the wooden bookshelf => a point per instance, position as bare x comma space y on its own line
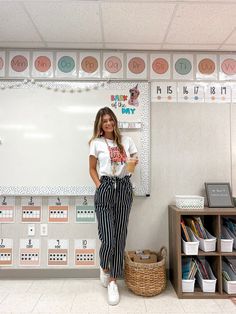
212, 221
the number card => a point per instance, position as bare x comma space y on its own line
190, 92
85, 252
85, 213
58, 210
6, 252
31, 208
29, 252
164, 92
58, 252
233, 92
7, 209
219, 93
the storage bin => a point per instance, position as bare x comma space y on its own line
146, 279
207, 245
190, 248
229, 286
188, 285
227, 241
207, 285
189, 201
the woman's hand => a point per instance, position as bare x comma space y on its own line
97, 185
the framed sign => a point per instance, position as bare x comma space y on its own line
219, 195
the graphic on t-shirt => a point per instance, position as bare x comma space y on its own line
116, 155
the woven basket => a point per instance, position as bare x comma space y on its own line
146, 279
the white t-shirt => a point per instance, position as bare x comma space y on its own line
99, 149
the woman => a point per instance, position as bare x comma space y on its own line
113, 197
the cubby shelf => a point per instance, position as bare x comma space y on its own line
212, 219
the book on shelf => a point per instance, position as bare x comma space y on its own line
201, 227
184, 231
189, 268
190, 223
193, 270
231, 266
225, 275
186, 266
230, 224
202, 269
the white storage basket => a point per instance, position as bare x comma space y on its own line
190, 248
188, 285
207, 245
227, 241
229, 286
207, 285
189, 201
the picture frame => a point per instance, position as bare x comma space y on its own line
219, 194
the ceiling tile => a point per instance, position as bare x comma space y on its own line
15, 25
228, 48
22, 44
202, 23
130, 46
203, 47
135, 22
78, 45
67, 21
232, 38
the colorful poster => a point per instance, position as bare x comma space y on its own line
58, 252
66, 64
207, 68
164, 92
42, 64
113, 65
85, 211
19, 64
85, 252
136, 66
7, 209
6, 252
183, 66
58, 209
29, 252
2, 63
89, 66
160, 66
31, 209
227, 69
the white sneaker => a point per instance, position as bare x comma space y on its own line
113, 293
104, 278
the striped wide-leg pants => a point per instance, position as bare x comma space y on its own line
113, 200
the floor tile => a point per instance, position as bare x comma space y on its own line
46, 286
55, 302
21, 302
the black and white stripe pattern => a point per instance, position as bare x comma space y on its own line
113, 200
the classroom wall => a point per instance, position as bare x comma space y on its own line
190, 144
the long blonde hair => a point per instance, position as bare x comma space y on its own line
98, 131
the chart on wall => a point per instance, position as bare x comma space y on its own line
45, 129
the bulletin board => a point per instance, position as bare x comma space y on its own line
45, 129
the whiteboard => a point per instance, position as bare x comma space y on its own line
45, 129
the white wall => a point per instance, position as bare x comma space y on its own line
190, 144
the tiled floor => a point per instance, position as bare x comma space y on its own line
88, 296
